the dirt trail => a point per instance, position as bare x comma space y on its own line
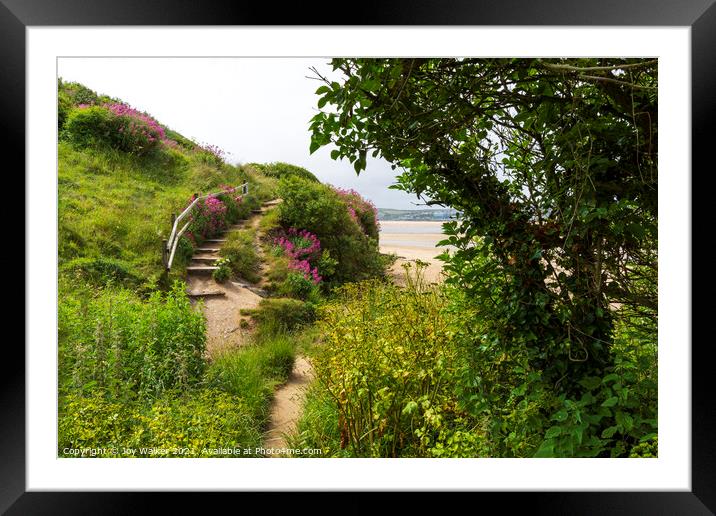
223, 320
224, 332
223, 329
288, 405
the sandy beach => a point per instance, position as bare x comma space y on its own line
413, 240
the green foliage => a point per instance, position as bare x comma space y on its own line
318, 426
529, 416
222, 274
99, 126
320, 210
240, 250
77, 93
276, 315
549, 165
555, 178
64, 106
102, 271
388, 363
92, 126
254, 372
113, 341
296, 285
173, 425
648, 448
327, 264
280, 170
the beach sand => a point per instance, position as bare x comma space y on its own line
410, 241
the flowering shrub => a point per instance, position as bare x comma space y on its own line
301, 247
362, 212
116, 124
211, 154
233, 200
208, 218
323, 211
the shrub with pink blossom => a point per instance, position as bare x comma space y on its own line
234, 202
301, 247
362, 211
117, 125
211, 154
208, 219
327, 213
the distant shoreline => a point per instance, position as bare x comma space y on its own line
391, 222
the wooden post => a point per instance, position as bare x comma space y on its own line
164, 253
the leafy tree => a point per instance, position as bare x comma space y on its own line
553, 164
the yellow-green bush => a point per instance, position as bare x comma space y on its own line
192, 424
388, 362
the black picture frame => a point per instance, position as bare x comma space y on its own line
700, 15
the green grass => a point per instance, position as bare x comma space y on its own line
254, 372
318, 427
276, 316
116, 205
240, 248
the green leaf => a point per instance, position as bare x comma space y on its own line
610, 402
560, 416
335, 153
624, 420
553, 432
371, 84
590, 382
546, 449
608, 432
410, 407
610, 378
314, 146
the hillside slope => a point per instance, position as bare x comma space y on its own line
116, 204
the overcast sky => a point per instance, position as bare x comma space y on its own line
256, 109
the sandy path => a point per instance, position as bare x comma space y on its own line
223, 318
407, 254
288, 405
223, 331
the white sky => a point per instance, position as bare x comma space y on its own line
255, 109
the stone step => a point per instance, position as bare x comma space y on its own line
205, 258
215, 240
256, 290
201, 269
206, 293
207, 249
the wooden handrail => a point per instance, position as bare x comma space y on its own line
169, 247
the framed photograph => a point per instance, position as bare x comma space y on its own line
233, 232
